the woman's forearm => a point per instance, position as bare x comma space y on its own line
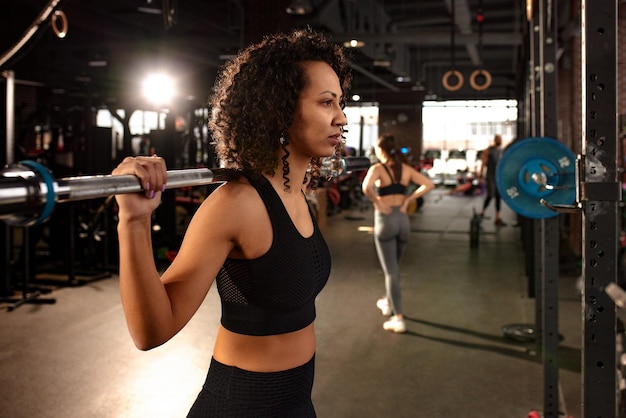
145, 301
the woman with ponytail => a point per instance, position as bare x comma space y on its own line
386, 184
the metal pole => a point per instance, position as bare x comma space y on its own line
5, 230
361, 131
10, 113
602, 191
32, 29
549, 228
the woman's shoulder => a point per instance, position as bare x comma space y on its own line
231, 197
373, 167
376, 169
230, 210
408, 171
228, 214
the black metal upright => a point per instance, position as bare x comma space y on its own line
535, 130
5, 270
547, 230
601, 194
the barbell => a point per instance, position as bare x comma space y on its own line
29, 192
534, 173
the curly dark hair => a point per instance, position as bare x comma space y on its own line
255, 97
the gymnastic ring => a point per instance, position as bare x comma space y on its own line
483, 86
62, 30
447, 75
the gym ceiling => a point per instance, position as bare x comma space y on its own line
408, 45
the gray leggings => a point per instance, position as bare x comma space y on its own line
391, 235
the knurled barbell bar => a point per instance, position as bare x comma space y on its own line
29, 191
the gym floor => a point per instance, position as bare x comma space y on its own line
74, 358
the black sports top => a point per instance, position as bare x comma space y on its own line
275, 293
393, 188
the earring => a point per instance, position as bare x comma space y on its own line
282, 139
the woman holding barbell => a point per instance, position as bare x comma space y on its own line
277, 109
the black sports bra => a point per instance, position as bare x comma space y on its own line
393, 188
275, 293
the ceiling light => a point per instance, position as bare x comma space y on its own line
382, 62
149, 10
419, 86
97, 63
158, 88
300, 7
354, 43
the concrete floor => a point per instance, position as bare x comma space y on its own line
74, 358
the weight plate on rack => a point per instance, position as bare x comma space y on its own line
533, 169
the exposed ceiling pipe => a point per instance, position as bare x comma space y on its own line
329, 15
242, 22
436, 38
374, 77
463, 21
438, 21
32, 29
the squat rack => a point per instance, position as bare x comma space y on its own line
602, 193
598, 200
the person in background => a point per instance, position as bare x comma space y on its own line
385, 184
276, 110
489, 162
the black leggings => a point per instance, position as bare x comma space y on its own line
492, 192
232, 392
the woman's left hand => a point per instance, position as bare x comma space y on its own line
152, 173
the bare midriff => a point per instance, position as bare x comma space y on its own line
393, 199
270, 353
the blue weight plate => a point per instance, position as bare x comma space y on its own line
536, 168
